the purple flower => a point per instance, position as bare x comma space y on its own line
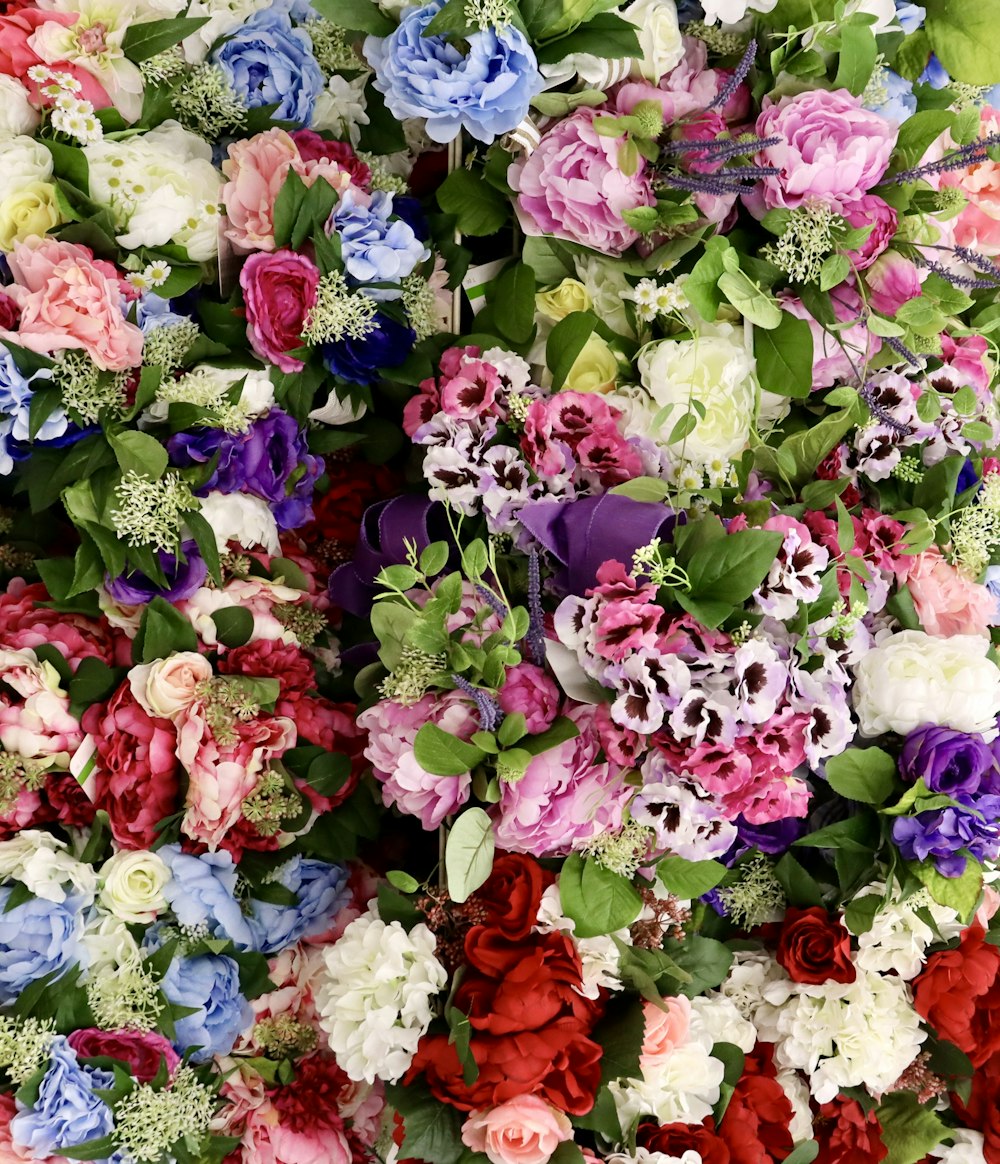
949, 835
183, 579
948, 761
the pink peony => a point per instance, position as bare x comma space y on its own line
68, 300
978, 225
892, 281
571, 187
831, 148
870, 210
664, 1028
530, 691
141, 1050
947, 603
279, 290
24, 622
35, 720
256, 169
524, 1130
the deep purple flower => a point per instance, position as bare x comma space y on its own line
948, 761
775, 837
358, 360
183, 579
947, 835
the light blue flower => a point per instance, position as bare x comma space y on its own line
322, 893
153, 311
67, 1113
210, 985
37, 937
16, 392
486, 90
899, 103
268, 62
202, 892
934, 74
910, 16
375, 247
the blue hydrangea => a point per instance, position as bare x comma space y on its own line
322, 893
37, 937
910, 16
67, 1112
269, 62
153, 311
210, 985
202, 892
899, 103
16, 392
485, 90
376, 247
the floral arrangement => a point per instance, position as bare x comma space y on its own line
500, 543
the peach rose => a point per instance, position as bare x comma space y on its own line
69, 300
947, 603
524, 1130
664, 1029
168, 687
978, 226
256, 169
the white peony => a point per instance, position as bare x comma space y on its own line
24, 161
240, 517
17, 114
374, 1001
42, 864
912, 678
161, 187
659, 36
132, 886
713, 369
966, 1147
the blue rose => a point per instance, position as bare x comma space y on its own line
486, 90
359, 360
202, 892
210, 985
67, 1112
268, 62
322, 893
37, 937
376, 248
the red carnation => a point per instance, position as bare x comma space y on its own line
958, 993
847, 1135
813, 948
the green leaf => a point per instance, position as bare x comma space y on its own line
478, 207
689, 879
964, 38
785, 357
705, 960
597, 900
233, 625
566, 341
702, 285
858, 52
356, 15
94, 681
606, 35
142, 41
859, 914
403, 881
803, 1153
442, 754
960, 893
909, 1130
468, 854
864, 774
434, 558
730, 570
162, 631
329, 772
514, 303
749, 300
835, 269
433, 1130
644, 489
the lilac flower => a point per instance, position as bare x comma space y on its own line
946, 835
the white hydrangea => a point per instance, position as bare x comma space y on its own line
723, 1021
855, 1034
898, 937
42, 864
342, 108
598, 956
374, 1000
750, 974
161, 188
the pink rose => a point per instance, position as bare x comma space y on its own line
280, 291
530, 691
892, 281
663, 1030
524, 1130
17, 55
870, 210
168, 687
831, 148
978, 225
947, 603
571, 187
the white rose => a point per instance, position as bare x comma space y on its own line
716, 370
132, 886
109, 945
913, 678
224, 17
659, 36
17, 114
239, 517
168, 687
24, 161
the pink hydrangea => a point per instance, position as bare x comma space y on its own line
572, 187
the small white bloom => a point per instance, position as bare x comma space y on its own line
721, 1018
42, 864
966, 1147
898, 937
733, 11
240, 517
342, 108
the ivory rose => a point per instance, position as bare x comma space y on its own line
168, 687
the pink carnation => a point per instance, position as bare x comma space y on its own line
831, 148
572, 187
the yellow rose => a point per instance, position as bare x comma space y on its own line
569, 296
31, 210
595, 369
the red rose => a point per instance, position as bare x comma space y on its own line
513, 893
846, 1135
814, 948
337, 514
982, 1112
755, 1126
958, 993
676, 1139
272, 659
10, 313
142, 1051
135, 768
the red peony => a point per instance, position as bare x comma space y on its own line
313, 148
958, 993
135, 768
982, 1112
513, 893
846, 1135
143, 1051
272, 659
676, 1139
814, 948
755, 1126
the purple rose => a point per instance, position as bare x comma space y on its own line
359, 360
831, 149
183, 577
948, 761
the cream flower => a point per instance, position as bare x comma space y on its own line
132, 886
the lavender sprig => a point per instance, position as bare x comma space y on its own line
957, 280
867, 394
535, 638
722, 149
490, 715
901, 350
958, 159
493, 601
736, 79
